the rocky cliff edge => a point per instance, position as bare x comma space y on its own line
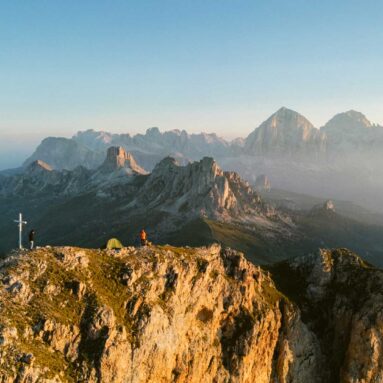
165, 314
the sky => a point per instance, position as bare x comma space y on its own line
217, 66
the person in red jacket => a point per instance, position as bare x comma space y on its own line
143, 238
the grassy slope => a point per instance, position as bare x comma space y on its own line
255, 246
327, 230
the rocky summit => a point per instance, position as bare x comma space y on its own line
41, 179
285, 133
167, 314
199, 188
117, 158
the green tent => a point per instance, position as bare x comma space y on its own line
114, 243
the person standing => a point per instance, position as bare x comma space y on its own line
32, 239
143, 238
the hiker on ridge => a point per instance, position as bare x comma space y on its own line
32, 239
143, 238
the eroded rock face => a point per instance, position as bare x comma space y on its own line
340, 298
199, 189
286, 134
117, 158
165, 314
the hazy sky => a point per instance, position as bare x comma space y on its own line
209, 65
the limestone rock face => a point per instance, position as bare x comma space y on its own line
351, 132
117, 158
286, 133
150, 315
165, 314
39, 166
40, 179
340, 297
200, 188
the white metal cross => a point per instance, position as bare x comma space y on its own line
21, 223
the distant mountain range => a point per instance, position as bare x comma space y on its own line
285, 134
341, 160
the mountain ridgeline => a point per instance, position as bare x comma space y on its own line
340, 160
284, 134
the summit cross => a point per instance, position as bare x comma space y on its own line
20, 224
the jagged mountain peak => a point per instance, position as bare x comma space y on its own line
208, 164
199, 188
205, 166
285, 118
117, 158
64, 153
91, 133
351, 133
283, 111
153, 132
286, 132
355, 114
165, 163
351, 120
118, 168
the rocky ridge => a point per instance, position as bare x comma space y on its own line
340, 298
199, 188
89, 148
193, 146
117, 158
188, 315
40, 178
